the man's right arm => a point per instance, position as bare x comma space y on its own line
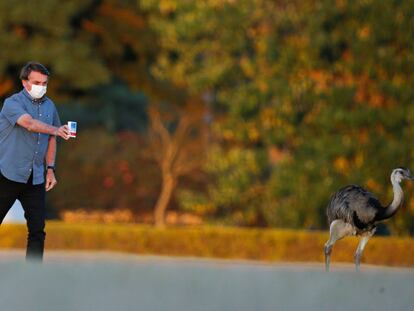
37, 126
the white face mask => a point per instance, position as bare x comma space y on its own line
38, 91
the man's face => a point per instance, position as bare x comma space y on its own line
35, 78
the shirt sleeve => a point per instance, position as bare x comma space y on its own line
13, 110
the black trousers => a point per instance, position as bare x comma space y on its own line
32, 198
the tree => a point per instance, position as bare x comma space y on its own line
176, 140
317, 91
358, 116
244, 56
53, 37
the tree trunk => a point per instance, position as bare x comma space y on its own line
168, 185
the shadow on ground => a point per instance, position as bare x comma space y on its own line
107, 281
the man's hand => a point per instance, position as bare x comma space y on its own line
50, 180
63, 132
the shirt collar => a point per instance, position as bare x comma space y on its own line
33, 100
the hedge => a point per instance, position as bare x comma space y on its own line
270, 245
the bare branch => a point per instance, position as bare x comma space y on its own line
157, 126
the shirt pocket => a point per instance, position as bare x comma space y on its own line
47, 118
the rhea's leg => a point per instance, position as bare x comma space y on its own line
337, 231
358, 254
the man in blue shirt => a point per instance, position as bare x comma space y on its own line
29, 125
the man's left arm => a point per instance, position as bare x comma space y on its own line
50, 161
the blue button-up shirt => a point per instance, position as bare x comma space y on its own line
23, 152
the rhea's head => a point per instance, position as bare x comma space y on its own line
401, 173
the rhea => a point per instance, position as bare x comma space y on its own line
354, 211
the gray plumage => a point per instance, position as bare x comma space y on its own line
354, 211
355, 206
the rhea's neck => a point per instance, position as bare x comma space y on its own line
397, 200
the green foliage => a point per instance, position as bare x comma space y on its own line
359, 121
114, 107
232, 196
50, 36
230, 51
318, 89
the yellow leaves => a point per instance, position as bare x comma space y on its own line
344, 165
262, 85
268, 118
359, 160
377, 100
368, 93
262, 46
277, 155
259, 31
228, 134
221, 3
247, 67
252, 132
398, 80
298, 41
321, 79
364, 32
324, 80
245, 131
167, 6
345, 79
371, 97
203, 208
340, 4
373, 185
341, 164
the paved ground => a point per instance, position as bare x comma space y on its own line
110, 281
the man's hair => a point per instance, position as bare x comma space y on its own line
33, 66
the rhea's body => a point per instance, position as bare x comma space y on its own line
353, 210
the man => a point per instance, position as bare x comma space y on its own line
29, 125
